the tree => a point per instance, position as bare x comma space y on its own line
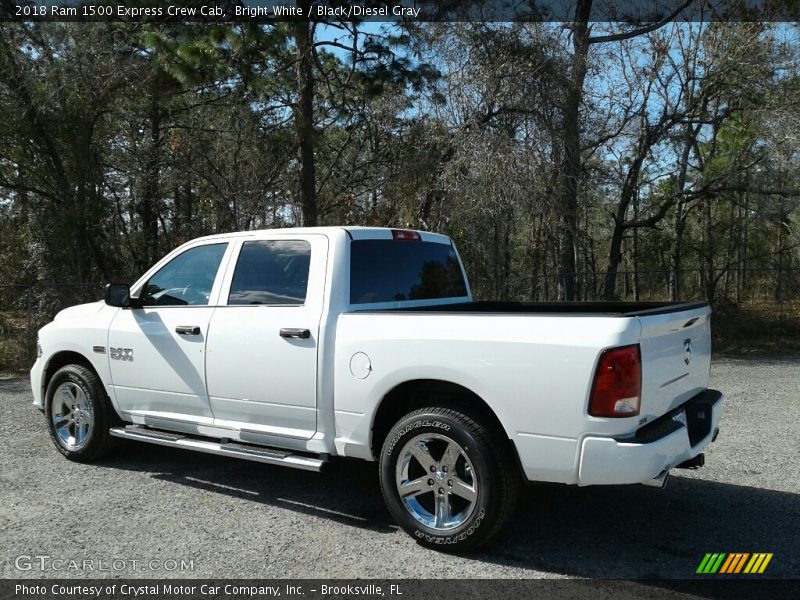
571, 163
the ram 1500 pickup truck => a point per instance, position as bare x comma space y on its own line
293, 346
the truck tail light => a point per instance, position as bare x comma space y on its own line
405, 234
617, 388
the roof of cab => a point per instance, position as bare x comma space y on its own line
355, 233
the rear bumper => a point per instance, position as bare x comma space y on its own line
655, 448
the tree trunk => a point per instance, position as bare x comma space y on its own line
506, 290
743, 245
635, 250
781, 260
709, 278
676, 257
304, 118
571, 167
629, 190
614, 259
150, 188
679, 225
185, 209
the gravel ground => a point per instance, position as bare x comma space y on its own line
242, 519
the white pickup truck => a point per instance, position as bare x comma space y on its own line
293, 346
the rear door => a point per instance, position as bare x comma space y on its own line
261, 361
676, 358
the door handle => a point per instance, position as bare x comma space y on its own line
187, 330
288, 332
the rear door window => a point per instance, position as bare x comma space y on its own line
397, 270
271, 272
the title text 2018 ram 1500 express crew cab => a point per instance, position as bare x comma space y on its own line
292, 346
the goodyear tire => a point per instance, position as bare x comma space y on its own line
79, 414
447, 479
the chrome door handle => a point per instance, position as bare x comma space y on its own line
187, 330
288, 332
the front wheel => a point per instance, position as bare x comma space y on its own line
447, 479
79, 414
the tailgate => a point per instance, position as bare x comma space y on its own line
676, 358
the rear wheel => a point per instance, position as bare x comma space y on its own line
446, 478
79, 414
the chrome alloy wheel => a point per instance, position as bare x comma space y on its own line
72, 416
441, 493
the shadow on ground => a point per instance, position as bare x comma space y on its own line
608, 532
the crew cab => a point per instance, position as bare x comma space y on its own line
295, 346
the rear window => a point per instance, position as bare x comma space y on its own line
394, 270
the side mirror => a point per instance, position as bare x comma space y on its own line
118, 294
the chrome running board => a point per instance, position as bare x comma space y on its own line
270, 456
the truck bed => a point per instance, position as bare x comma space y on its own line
610, 309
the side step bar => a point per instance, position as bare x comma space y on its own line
270, 456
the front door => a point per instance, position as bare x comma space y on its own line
261, 363
157, 352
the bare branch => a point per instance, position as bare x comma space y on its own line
616, 37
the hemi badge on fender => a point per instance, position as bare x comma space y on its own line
99, 349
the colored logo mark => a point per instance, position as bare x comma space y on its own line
734, 563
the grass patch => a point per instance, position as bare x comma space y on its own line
757, 328
14, 353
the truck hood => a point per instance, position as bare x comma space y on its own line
81, 311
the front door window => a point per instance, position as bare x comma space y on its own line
185, 280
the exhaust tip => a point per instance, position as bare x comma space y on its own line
659, 481
693, 463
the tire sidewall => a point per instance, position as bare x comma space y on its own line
477, 526
70, 374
